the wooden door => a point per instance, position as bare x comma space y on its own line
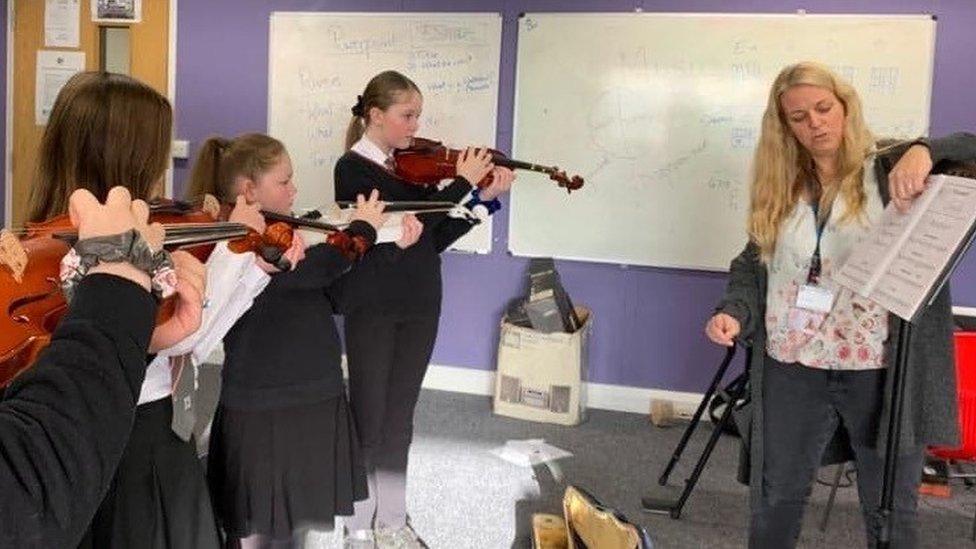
149, 55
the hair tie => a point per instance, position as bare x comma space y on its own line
359, 109
221, 145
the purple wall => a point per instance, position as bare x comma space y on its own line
648, 322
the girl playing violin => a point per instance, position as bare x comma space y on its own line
283, 451
392, 301
65, 422
109, 130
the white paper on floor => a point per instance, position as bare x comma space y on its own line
526, 453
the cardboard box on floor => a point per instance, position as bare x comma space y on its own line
540, 376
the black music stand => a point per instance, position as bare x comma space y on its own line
898, 396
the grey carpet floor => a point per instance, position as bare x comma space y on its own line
462, 496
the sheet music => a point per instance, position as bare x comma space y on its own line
904, 255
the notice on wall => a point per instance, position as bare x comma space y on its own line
54, 69
62, 23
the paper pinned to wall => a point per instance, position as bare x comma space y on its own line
54, 69
62, 23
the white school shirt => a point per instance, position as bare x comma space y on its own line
233, 281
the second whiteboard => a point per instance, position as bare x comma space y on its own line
660, 113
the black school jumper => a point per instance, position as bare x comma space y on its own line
391, 304
283, 449
65, 422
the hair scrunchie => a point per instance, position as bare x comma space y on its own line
359, 109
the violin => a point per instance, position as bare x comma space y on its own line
30, 291
269, 246
427, 162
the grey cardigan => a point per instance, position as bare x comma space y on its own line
929, 415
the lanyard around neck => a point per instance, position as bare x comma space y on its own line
813, 275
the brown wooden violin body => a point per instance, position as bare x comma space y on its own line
427, 162
31, 298
32, 302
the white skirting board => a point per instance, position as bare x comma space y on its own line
603, 396
618, 398
963, 311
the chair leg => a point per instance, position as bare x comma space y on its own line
833, 492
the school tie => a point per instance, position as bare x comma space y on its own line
390, 163
184, 389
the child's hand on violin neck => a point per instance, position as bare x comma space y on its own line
191, 291
370, 210
294, 254
247, 214
474, 164
412, 229
119, 214
501, 183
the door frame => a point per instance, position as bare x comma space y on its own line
8, 153
8, 176
171, 89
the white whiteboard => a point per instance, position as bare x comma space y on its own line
660, 113
319, 63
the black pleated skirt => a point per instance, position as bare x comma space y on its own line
158, 498
276, 471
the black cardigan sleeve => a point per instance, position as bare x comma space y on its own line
742, 299
447, 230
323, 263
959, 147
65, 422
355, 177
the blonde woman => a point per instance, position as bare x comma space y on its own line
821, 353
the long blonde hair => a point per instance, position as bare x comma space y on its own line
782, 167
105, 130
221, 161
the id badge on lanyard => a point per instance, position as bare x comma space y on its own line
812, 296
813, 301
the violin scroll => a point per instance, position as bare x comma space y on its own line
569, 183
